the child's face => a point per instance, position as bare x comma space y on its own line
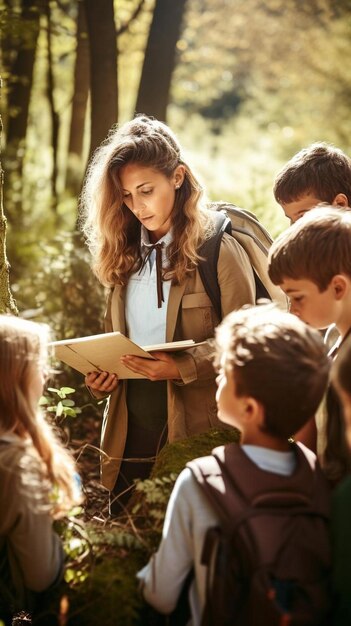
229, 404
295, 210
346, 405
315, 307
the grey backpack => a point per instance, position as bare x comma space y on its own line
248, 231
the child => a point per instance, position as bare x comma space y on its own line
311, 261
272, 374
341, 506
318, 173
37, 482
145, 222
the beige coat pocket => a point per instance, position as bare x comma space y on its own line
197, 316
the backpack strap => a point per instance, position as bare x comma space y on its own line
209, 250
207, 267
237, 488
209, 474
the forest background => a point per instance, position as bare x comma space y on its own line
244, 84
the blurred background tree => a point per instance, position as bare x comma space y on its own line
244, 84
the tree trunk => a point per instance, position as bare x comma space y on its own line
160, 57
20, 87
55, 122
22, 71
75, 166
81, 86
103, 68
7, 303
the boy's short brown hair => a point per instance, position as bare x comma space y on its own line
320, 169
316, 248
278, 360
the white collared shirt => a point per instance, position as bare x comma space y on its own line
145, 322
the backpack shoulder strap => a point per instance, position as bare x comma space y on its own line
223, 477
207, 267
208, 474
255, 240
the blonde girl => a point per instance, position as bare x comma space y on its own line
144, 221
37, 475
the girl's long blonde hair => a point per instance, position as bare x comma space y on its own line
23, 353
111, 229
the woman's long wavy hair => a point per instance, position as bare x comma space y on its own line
23, 352
111, 229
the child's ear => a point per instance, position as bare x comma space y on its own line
253, 410
340, 200
340, 284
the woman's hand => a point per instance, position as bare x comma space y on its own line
164, 368
101, 381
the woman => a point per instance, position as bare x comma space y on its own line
144, 222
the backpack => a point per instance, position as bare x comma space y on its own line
256, 241
268, 563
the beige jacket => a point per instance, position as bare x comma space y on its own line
191, 403
30, 550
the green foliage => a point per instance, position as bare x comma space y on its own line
66, 293
110, 595
173, 457
63, 406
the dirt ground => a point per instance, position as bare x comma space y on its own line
84, 436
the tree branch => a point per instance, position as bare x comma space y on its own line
122, 29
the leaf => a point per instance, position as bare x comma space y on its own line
77, 510
59, 409
69, 412
67, 390
75, 545
68, 402
69, 575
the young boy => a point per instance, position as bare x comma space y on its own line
273, 370
318, 173
311, 261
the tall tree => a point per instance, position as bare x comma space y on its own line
160, 58
7, 303
55, 121
22, 74
103, 68
81, 85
